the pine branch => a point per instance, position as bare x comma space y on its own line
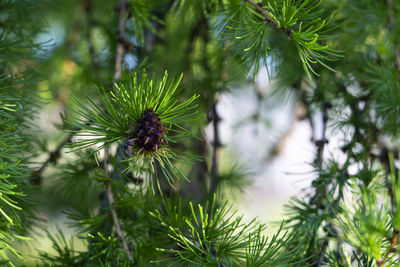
260, 10
320, 144
319, 160
215, 147
392, 248
54, 155
387, 161
322, 254
118, 227
110, 198
121, 36
117, 75
52, 159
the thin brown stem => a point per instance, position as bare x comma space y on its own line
215, 149
110, 198
117, 225
392, 248
121, 37
319, 160
320, 192
322, 254
321, 143
262, 12
384, 158
52, 159
117, 74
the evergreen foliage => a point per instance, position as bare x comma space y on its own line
17, 108
129, 165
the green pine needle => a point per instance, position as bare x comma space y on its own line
115, 118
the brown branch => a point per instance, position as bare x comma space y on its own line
385, 160
114, 215
121, 36
392, 248
110, 198
54, 155
117, 75
320, 146
52, 159
322, 254
262, 12
215, 149
321, 143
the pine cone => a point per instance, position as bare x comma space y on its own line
149, 134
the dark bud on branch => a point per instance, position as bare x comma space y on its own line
149, 134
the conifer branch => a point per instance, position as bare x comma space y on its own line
261, 11
110, 198
322, 254
117, 75
114, 215
54, 155
215, 145
121, 36
332, 232
319, 158
204, 30
392, 248
118, 227
385, 159
320, 144
52, 159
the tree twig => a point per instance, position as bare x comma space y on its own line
261, 11
52, 159
320, 144
121, 37
392, 248
54, 155
322, 254
385, 160
117, 75
319, 159
215, 147
110, 198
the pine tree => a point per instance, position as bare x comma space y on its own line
128, 164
